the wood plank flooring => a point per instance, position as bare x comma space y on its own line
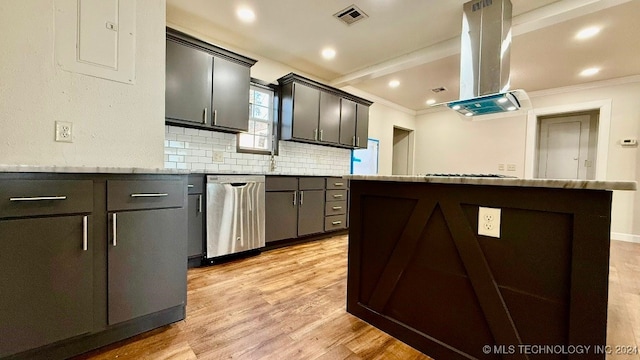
289, 303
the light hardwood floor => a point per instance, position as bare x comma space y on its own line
289, 303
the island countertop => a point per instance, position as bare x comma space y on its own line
503, 181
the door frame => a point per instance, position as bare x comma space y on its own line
602, 146
410, 150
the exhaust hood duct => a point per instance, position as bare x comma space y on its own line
484, 60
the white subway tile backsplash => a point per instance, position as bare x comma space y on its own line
193, 149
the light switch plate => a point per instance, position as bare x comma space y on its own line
489, 222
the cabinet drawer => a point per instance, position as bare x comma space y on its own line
311, 183
335, 207
196, 184
144, 194
280, 183
336, 195
45, 197
335, 222
334, 183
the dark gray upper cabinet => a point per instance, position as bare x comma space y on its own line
362, 126
317, 113
307, 111
206, 86
329, 124
188, 84
348, 122
230, 94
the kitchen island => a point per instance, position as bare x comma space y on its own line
420, 269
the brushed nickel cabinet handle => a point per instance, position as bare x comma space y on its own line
320, 134
215, 117
190, 186
301, 197
295, 197
38, 198
358, 142
353, 141
85, 233
142, 195
199, 203
315, 134
337, 196
336, 222
115, 230
204, 116
337, 207
338, 184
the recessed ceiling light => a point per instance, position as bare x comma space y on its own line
431, 101
245, 14
394, 83
590, 71
587, 32
328, 53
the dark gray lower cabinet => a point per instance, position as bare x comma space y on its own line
281, 215
146, 261
311, 212
46, 280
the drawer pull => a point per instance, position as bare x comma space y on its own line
337, 207
336, 222
337, 196
142, 195
338, 184
38, 198
85, 232
199, 203
190, 186
115, 230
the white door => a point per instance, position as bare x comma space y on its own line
564, 147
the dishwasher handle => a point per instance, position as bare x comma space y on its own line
238, 184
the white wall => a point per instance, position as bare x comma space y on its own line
114, 124
446, 143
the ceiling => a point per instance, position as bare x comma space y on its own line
417, 42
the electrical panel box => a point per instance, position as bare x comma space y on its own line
96, 38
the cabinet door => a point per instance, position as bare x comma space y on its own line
281, 215
329, 125
196, 229
147, 262
306, 111
188, 84
46, 280
311, 212
230, 95
362, 126
348, 122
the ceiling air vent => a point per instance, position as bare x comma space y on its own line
439, 89
350, 15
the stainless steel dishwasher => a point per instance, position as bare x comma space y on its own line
235, 214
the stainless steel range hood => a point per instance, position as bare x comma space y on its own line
484, 61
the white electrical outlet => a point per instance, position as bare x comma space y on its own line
489, 222
64, 131
511, 167
218, 156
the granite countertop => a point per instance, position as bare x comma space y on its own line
88, 170
544, 183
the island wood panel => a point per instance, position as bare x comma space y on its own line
419, 271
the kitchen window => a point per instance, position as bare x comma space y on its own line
259, 137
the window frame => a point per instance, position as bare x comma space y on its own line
274, 89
